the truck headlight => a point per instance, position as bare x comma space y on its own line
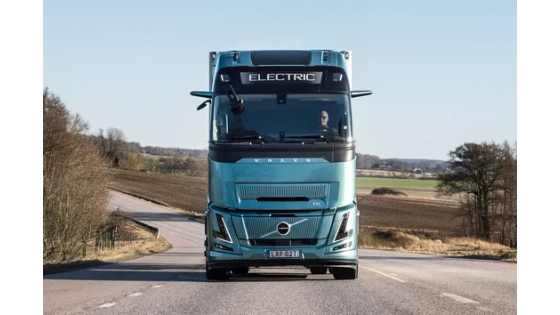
223, 233
343, 231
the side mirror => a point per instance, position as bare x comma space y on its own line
235, 103
360, 93
201, 106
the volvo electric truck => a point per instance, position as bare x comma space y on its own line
281, 162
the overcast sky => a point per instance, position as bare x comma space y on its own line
442, 72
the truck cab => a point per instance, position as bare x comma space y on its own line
281, 162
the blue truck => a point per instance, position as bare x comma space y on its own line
281, 162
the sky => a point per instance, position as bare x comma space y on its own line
442, 72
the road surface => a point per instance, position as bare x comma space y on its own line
174, 283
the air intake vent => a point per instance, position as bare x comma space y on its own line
290, 242
281, 199
315, 191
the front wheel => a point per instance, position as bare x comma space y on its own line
318, 270
345, 273
217, 274
240, 270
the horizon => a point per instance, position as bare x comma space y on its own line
442, 73
206, 149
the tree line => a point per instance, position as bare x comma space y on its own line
125, 155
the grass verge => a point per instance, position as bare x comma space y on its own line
432, 242
144, 243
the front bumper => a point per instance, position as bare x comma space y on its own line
255, 257
228, 264
234, 248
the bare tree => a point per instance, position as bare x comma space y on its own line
485, 176
113, 144
74, 183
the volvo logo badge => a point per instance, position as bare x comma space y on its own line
283, 228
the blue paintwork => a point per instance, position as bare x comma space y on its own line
225, 180
323, 250
226, 59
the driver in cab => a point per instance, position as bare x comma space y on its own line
324, 124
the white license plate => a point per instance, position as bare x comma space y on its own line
282, 253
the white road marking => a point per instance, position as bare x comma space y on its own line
484, 309
107, 305
458, 298
384, 274
136, 294
157, 286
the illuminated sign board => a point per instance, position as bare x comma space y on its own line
281, 77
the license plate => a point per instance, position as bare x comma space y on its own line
282, 253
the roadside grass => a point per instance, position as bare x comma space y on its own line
143, 243
431, 242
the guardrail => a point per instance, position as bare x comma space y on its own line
150, 228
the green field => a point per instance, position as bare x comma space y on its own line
394, 182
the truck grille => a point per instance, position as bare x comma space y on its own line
265, 227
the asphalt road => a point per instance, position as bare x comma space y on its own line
173, 282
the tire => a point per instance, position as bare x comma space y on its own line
345, 273
217, 274
240, 270
318, 270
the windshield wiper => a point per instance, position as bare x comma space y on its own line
250, 137
308, 137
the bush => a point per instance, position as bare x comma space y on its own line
387, 191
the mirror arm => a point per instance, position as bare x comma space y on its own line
202, 94
354, 94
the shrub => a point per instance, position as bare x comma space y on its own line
387, 191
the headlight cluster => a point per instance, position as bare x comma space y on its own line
223, 233
343, 231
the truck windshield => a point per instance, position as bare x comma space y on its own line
290, 118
